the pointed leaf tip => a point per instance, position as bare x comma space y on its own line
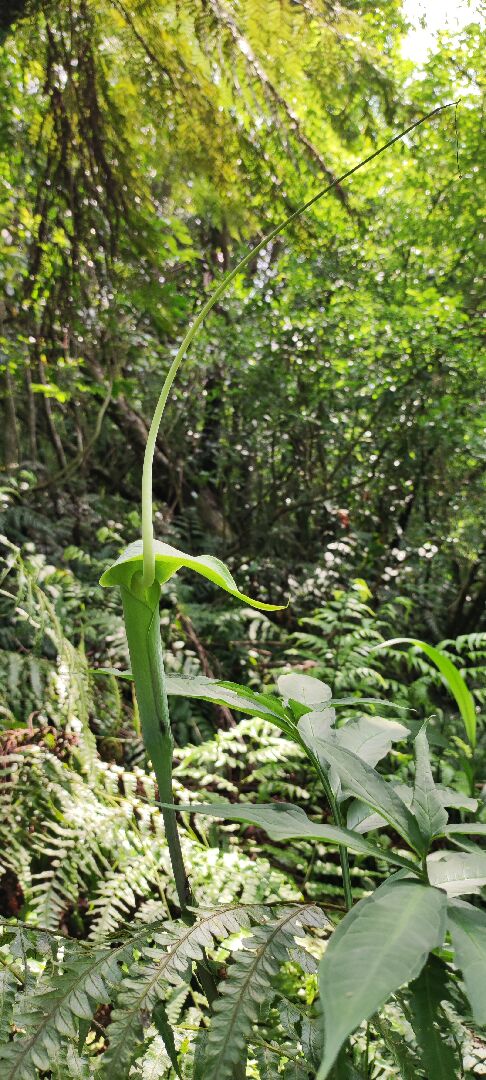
168, 560
453, 678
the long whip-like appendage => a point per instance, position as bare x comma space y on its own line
147, 520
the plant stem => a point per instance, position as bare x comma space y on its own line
141, 615
367, 1052
336, 813
343, 855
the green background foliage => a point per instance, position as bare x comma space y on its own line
325, 438
335, 396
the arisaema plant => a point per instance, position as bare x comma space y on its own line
413, 899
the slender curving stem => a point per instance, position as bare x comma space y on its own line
147, 522
343, 853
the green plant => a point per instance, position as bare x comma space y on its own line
384, 940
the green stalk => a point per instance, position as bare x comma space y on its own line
338, 820
343, 855
343, 852
147, 522
141, 615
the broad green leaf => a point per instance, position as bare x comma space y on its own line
313, 726
168, 560
359, 817
427, 806
369, 701
304, 689
438, 1052
283, 821
230, 694
473, 828
464, 843
182, 681
452, 676
367, 784
457, 872
370, 737
456, 798
220, 693
380, 945
467, 927
259, 699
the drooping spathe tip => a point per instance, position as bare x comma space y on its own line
167, 561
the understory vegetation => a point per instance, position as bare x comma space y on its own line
242, 821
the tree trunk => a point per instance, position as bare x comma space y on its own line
51, 425
10, 436
31, 414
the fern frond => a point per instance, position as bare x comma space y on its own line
51, 1012
120, 890
246, 988
71, 1064
164, 965
8, 988
268, 1063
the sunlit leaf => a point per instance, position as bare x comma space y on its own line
283, 821
427, 805
457, 872
471, 828
304, 689
371, 737
367, 784
360, 818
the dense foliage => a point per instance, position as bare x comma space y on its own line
336, 398
325, 437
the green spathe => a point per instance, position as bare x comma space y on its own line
168, 560
142, 625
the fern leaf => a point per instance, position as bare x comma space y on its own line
268, 1064
8, 987
117, 895
161, 967
246, 988
51, 1013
